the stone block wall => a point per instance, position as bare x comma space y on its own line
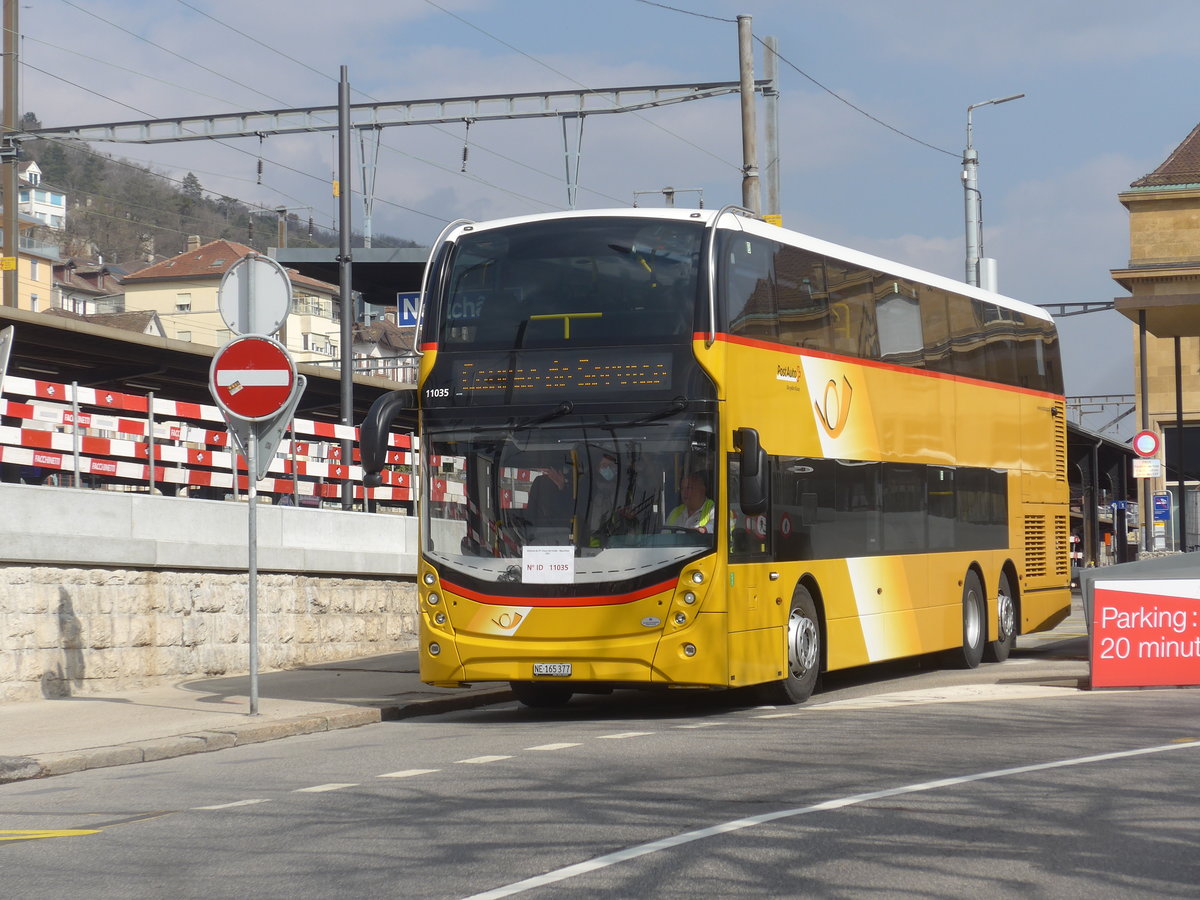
76, 631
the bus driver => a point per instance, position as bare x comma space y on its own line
696, 510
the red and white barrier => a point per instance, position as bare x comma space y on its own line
113, 445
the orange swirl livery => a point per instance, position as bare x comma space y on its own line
844, 416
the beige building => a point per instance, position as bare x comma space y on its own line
183, 292
35, 271
1163, 278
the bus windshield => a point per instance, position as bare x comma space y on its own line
630, 496
586, 282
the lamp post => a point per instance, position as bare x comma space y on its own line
970, 177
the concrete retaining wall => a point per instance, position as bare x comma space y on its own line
102, 592
67, 632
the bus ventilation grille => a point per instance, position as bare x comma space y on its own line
1062, 547
1035, 546
1060, 442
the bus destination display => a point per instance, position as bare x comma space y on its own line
607, 374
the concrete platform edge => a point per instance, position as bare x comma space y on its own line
23, 768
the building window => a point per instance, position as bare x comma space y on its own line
183, 335
33, 302
183, 302
33, 270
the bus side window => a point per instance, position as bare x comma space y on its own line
853, 330
801, 298
935, 329
747, 287
898, 313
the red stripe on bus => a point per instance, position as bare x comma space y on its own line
607, 600
873, 363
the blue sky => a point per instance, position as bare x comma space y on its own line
1110, 91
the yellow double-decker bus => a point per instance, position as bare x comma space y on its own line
689, 449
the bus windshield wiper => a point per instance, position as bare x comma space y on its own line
678, 405
563, 409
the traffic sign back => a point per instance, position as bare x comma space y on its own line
255, 295
252, 377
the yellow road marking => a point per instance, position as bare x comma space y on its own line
33, 835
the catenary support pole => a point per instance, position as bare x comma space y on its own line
9, 280
751, 199
771, 126
344, 273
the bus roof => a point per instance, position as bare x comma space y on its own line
735, 222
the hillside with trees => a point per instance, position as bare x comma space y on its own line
127, 214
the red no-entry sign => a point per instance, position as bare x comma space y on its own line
252, 378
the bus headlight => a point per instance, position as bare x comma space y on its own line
432, 599
689, 598
680, 618
435, 649
698, 577
429, 578
689, 650
440, 618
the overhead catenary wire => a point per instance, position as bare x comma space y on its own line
801, 72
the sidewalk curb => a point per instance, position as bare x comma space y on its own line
24, 768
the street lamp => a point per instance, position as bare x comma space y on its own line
970, 177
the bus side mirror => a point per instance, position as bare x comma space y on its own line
753, 472
373, 435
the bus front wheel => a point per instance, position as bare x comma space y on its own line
1006, 624
540, 694
803, 652
974, 626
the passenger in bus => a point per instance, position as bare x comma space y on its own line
551, 498
696, 510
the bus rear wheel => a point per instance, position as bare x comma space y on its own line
974, 626
803, 651
1006, 624
540, 694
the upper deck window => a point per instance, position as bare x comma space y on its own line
572, 283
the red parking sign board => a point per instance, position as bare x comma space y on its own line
1145, 633
252, 378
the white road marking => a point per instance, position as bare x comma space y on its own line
620, 736
232, 805
409, 773
477, 760
322, 788
700, 725
601, 862
778, 716
553, 747
962, 693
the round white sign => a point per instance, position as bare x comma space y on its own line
255, 295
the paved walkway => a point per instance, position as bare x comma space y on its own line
58, 736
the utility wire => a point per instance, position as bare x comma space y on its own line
857, 109
828, 90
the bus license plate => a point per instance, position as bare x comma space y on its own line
560, 670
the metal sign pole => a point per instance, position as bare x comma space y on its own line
252, 578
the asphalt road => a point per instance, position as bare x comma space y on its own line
901, 782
